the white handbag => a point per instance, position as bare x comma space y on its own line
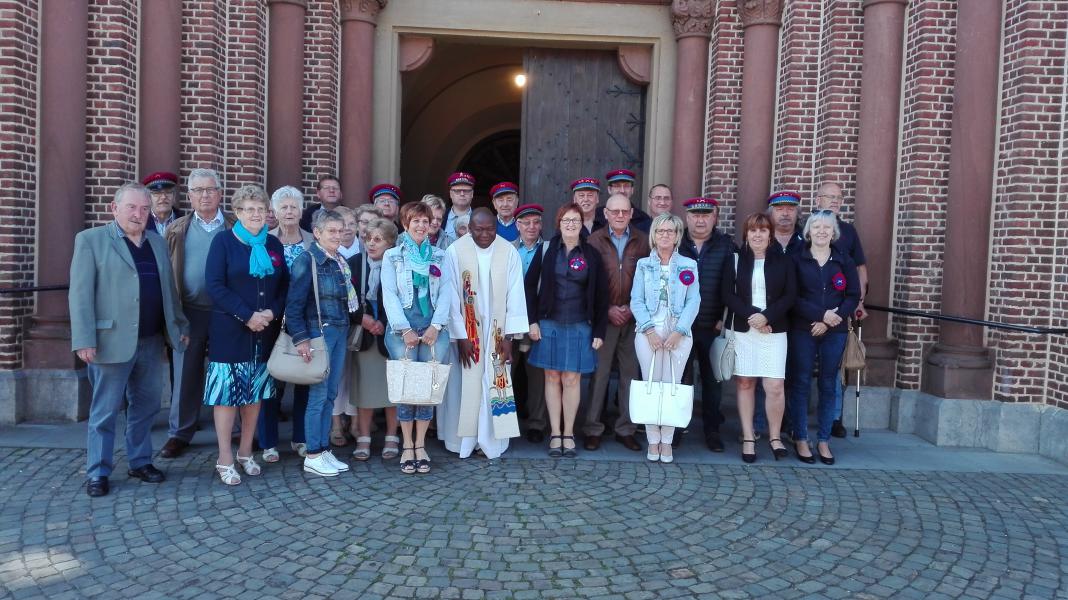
721, 355
660, 402
420, 383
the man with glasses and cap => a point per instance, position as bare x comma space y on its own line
505, 197
162, 186
528, 380
461, 194
386, 197
621, 181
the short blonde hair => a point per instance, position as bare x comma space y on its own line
434, 202
247, 193
367, 208
345, 211
660, 220
822, 215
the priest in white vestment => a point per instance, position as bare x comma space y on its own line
488, 309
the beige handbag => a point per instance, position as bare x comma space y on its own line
286, 364
419, 383
854, 357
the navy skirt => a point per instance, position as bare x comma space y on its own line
564, 347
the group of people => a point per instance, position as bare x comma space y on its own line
614, 289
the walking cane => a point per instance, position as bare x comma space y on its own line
856, 427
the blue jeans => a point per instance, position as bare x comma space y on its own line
267, 427
395, 347
803, 354
140, 382
321, 395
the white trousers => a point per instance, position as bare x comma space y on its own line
666, 360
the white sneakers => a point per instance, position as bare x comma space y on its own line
325, 465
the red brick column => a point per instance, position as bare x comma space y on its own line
959, 365
285, 92
357, 84
61, 180
160, 87
761, 20
692, 21
880, 99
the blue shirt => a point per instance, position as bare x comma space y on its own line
619, 242
509, 232
150, 302
527, 254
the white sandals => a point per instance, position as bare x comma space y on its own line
228, 474
249, 465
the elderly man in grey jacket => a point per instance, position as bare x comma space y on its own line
123, 306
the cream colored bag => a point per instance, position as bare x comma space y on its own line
419, 383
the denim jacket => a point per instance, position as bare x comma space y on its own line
301, 320
683, 292
398, 293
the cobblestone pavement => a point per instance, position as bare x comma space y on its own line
529, 528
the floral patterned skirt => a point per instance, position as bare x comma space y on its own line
237, 384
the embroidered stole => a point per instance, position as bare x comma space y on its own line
472, 381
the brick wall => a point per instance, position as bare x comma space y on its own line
18, 169
203, 84
111, 104
244, 95
799, 70
724, 111
923, 177
322, 46
1026, 229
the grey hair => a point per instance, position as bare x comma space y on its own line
660, 220
287, 191
462, 221
321, 217
198, 173
822, 215
248, 193
132, 186
387, 228
368, 208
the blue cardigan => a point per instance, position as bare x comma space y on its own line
235, 295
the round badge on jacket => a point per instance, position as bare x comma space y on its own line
577, 264
435, 271
839, 282
686, 277
276, 260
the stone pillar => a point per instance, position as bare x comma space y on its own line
692, 22
761, 20
160, 87
357, 83
959, 366
285, 92
61, 179
880, 97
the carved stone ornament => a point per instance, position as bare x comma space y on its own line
760, 12
692, 17
361, 10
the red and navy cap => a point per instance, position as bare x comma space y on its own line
385, 188
461, 178
620, 175
586, 183
504, 187
700, 204
529, 209
160, 180
784, 198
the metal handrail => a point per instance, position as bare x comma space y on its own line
969, 321
38, 288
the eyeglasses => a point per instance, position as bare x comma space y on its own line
381, 200
619, 212
203, 190
253, 210
570, 221
830, 196
461, 192
823, 212
664, 232
330, 188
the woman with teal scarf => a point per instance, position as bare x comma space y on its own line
247, 280
417, 313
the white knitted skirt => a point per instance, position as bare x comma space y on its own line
760, 354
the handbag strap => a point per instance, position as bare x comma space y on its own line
315, 287
728, 318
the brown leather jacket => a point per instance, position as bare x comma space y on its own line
175, 236
620, 274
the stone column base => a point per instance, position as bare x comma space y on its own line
881, 359
959, 372
44, 395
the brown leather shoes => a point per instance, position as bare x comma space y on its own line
629, 442
173, 448
593, 442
